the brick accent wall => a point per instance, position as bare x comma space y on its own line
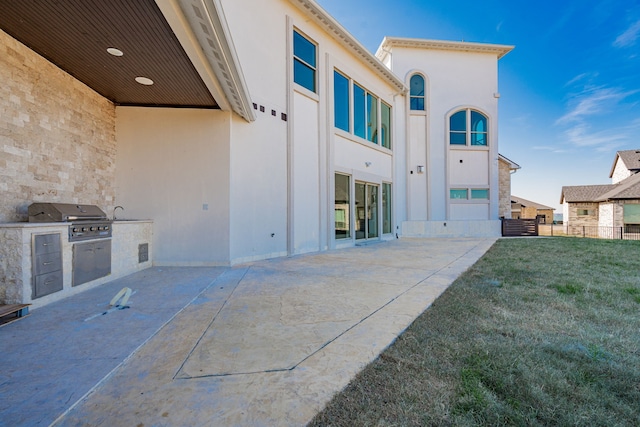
57, 136
504, 190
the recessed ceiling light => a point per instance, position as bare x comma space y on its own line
144, 81
115, 52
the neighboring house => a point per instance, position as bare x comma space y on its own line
245, 136
625, 164
506, 169
615, 205
526, 209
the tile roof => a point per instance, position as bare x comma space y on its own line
528, 203
584, 193
626, 189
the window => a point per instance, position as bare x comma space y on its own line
342, 212
341, 101
304, 62
386, 208
372, 118
631, 214
480, 194
468, 127
478, 129
385, 126
464, 193
365, 115
359, 112
586, 212
458, 193
416, 92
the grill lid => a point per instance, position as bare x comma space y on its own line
62, 212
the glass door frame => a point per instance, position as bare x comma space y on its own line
364, 214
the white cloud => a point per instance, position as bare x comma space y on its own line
629, 37
587, 110
548, 148
580, 77
583, 135
599, 100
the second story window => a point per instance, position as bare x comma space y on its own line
304, 62
416, 92
468, 127
360, 112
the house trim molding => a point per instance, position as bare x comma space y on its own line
332, 27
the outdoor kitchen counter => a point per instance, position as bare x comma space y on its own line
131, 242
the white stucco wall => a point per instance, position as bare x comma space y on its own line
455, 80
258, 206
173, 168
306, 174
418, 181
293, 161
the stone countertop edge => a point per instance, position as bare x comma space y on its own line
63, 224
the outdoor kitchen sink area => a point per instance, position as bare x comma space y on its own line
66, 249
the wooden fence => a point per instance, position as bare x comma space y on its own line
519, 227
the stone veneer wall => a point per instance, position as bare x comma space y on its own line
504, 190
57, 136
575, 222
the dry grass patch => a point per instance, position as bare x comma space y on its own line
537, 332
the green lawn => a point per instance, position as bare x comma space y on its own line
539, 331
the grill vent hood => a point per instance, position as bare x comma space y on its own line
63, 212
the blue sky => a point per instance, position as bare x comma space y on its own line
570, 90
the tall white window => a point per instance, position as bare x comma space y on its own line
416, 92
304, 62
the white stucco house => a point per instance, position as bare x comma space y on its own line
245, 136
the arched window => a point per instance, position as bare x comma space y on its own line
468, 127
416, 92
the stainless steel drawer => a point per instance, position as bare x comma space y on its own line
46, 243
46, 263
46, 284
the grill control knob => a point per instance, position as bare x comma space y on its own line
75, 229
84, 228
106, 227
92, 228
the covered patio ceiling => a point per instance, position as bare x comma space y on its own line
75, 35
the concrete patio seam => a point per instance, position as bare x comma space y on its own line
132, 354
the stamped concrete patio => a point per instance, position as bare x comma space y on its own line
261, 344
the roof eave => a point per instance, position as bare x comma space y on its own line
613, 166
389, 42
209, 28
512, 164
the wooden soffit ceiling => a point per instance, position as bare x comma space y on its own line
75, 36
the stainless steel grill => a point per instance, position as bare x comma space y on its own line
87, 221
